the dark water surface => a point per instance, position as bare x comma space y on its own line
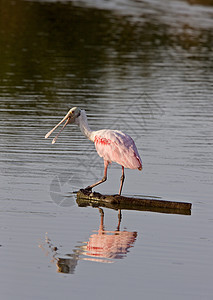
144, 67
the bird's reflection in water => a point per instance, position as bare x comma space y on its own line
103, 246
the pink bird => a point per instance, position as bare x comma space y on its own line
112, 145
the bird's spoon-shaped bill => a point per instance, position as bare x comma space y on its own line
55, 138
51, 131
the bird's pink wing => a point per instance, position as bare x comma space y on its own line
114, 145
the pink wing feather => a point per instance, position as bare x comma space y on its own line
114, 145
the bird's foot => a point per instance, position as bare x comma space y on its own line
87, 191
88, 188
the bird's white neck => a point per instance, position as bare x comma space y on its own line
83, 124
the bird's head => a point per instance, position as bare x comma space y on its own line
70, 118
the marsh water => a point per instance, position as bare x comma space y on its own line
146, 68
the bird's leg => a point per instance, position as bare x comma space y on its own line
102, 180
122, 180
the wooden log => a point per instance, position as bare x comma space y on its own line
95, 203
85, 197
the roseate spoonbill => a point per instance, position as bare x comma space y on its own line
112, 145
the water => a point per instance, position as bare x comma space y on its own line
138, 66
